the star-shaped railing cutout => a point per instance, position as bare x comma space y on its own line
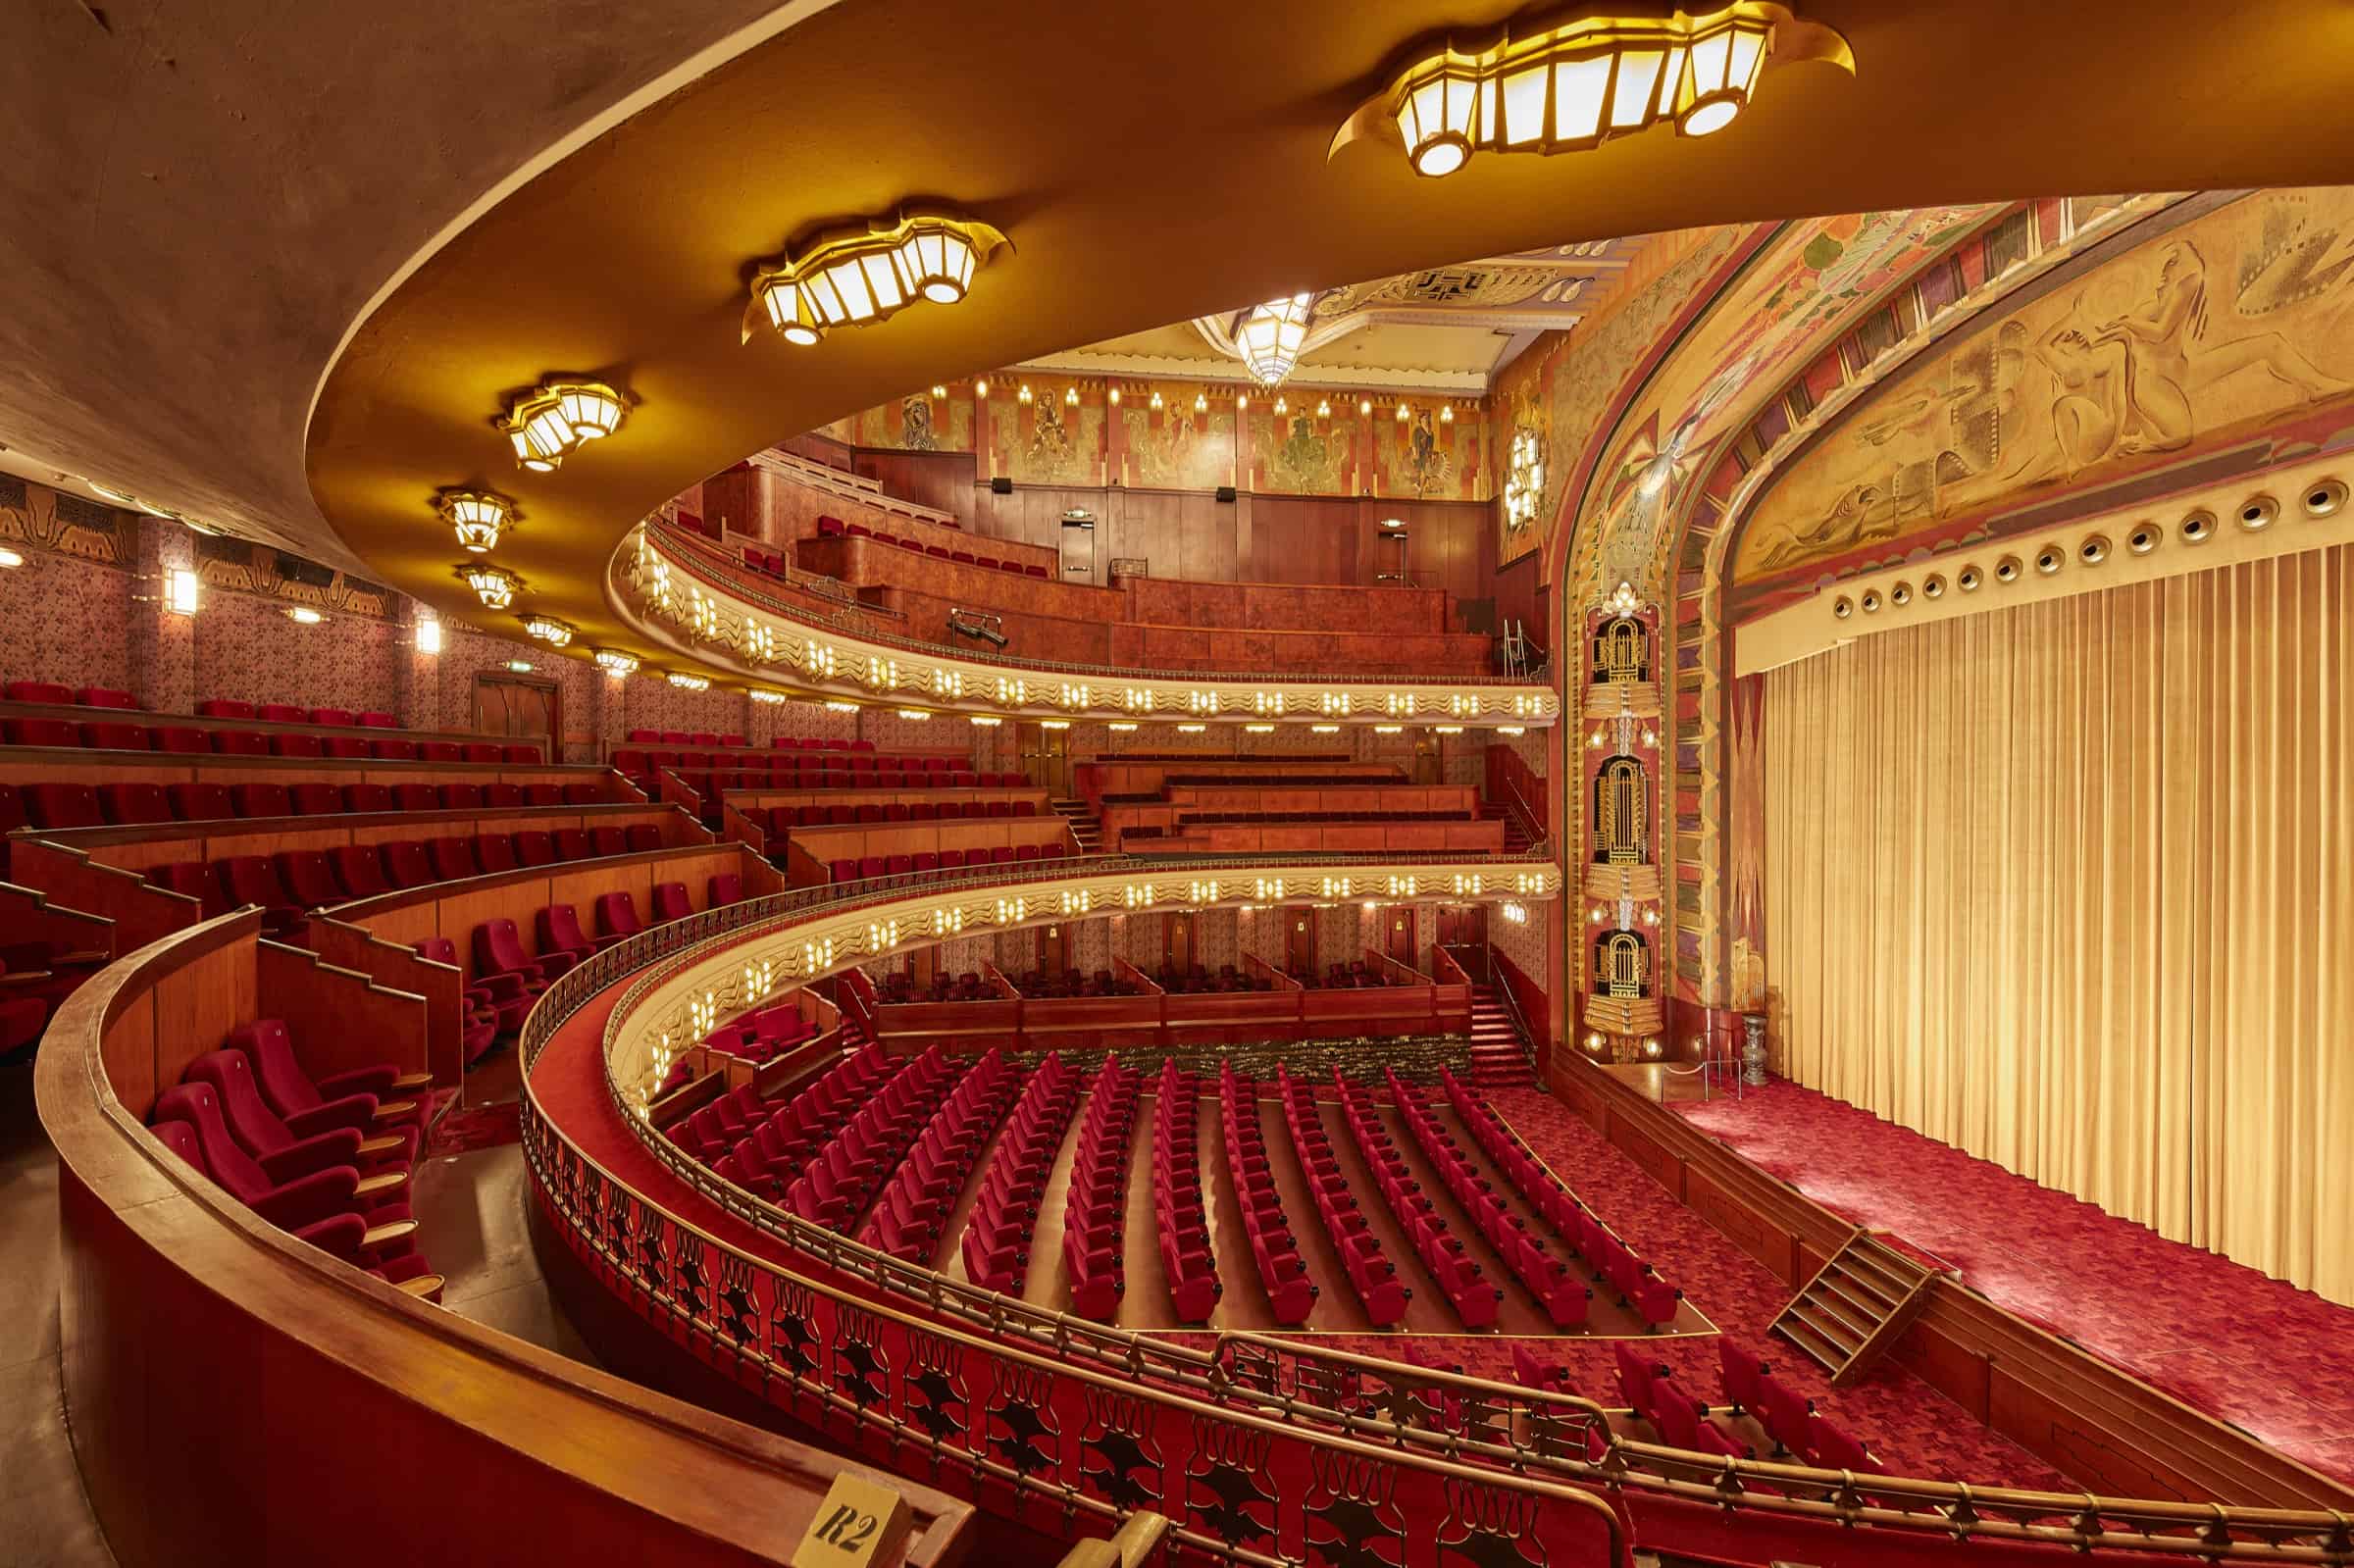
1123, 1452
797, 1341
855, 1368
1236, 1489
935, 1415
1023, 1427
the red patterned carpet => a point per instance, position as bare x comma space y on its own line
1915, 1430
2275, 1359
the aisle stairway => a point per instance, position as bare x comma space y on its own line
1498, 1056
1085, 829
1516, 838
1855, 1307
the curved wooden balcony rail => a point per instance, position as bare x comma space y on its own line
671, 592
1674, 1500
238, 1396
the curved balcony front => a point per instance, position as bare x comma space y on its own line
682, 596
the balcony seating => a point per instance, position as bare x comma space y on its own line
509, 990
1291, 1294
498, 950
727, 888
481, 1008
379, 1100
40, 732
1095, 1220
759, 1036
771, 1147
261, 800
115, 737
617, 916
1370, 1270
39, 691
1467, 1288
63, 805
132, 804
452, 858
308, 878
299, 1192
1186, 1259
197, 881
223, 708
1638, 1284
252, 880
910, 1217
997, 1237
558, 930
843, 1179
670, 902
282, 1151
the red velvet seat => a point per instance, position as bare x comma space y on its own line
535, 846
582, 793
196, 802
416, 797
378, 721
129, 803
251, 880
483, 752
12, 808
461, 798
281, 713
438, 751
333, 715
223, 708
406, 864
359, 869
285, 744
196, 880
364, 797
296, 1198
617, 915
115, 737
480, 1026
104, 697
179, 739
346, 747
452, 858
608, 839
241, 744
670, 902
558, 929
541, 795
498, 950
393, 750
41, 732
642, 837
261, 800
63, 805
40, 691
308, 878
724, 889
519, 753
315, 799
502, 797
574, 843
494, 852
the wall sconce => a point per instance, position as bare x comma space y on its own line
984, 720
556, 419
918, 715
429, 634
182, 592
10, 560
841, 707
860, 275
520, 666
304, 615
690, 682
476, 515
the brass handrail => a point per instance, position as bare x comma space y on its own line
1410, 1409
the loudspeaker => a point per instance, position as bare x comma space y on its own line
1226, 493
999, 484
310, 574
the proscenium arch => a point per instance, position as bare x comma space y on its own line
627, 256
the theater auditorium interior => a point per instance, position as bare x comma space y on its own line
1328, 785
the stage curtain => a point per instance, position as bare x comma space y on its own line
2071, 885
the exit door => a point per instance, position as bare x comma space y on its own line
1462, 925
1177, 945
520, 708
1046, 758
1299, 941
1398, 937
1077, 546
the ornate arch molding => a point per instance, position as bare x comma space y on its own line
2030, 249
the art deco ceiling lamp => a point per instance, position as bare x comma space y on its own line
1272, 336
476, 515
494, 585
555, 418
614, 662
1584, 78
688, 682
548, 629
858, 276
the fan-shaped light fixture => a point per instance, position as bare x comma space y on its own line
1582, 78
763, 694
478, 516
557, 418
548, 629
858, 275
495, 585
690, 682
1271, 336
614, 662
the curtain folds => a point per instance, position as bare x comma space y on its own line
2071, 885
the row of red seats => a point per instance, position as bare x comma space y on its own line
294, 880
507, 980
479, 1016
1185, 1259
1291, 1294
1797, 1427
1563, 1291
1095, 1215
942, 552
784, 819
1460, 1278
758, 1036
186, 739
863, 766
913, 1212
56, 692
996, 1238
1370, 1268
58, 806
838, 1183
326, 1160
867, 867
1639, 1285
762, 1148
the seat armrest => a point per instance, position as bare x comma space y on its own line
411, 1083
318, 1153
352, 1111
378, 1237
373, 1150
381, 1185
396, 1110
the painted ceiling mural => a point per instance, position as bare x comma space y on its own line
2232, 324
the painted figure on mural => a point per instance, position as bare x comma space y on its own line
917, 433
1424, 466
1309, 464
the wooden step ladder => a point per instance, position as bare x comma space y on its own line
1855, 1307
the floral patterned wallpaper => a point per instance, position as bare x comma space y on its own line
68, 620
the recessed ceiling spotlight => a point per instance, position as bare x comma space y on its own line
860, 275
1575, 86
557, 418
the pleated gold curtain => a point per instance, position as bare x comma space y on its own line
2071, 885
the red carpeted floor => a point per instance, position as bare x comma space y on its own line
2275, 1359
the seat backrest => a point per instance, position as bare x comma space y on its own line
416, 797
223, 708
281, 713
251, 1121
608, 839
250, 880
407, 865
642, 836
196, 879
574, 843
295, 745
541, 795
494, 852
241, 744
179, 739
498, 948
261, 800
335, 715
461, 798
309, 877
726, 888
440, 950
63, 805
380, 721
439, 751
40, 691
452, 858
671, 901
367, 797
517, 752
316, 800
559, 929
41, 732
115, 737
197, 801
199, 1105
351, 746
617, 915
135, 802
360, 869
534, 847
393, 750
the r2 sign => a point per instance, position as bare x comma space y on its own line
858, 1524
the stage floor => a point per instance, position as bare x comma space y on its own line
2257, 1351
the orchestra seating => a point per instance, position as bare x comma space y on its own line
844, 1176
1370, 1268
913, 1213
996, 1238
1291, 1294
1180, 1219
1095, 1221
1474, 1297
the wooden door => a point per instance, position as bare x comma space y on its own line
1299, 940
1053, 950
1178, 948
519, 706
1462, 925
1079, 548
1046, 758
1397, 935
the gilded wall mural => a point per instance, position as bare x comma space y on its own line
1175, 448
1299, 454
2202, 335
